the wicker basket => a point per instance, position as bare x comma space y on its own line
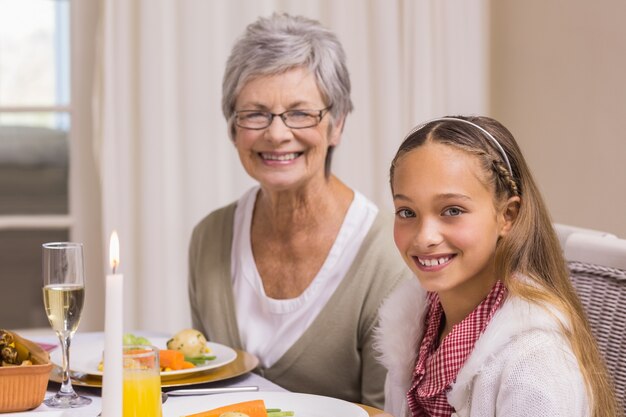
24, 387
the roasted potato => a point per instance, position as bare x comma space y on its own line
190, 342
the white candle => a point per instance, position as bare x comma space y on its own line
113, 333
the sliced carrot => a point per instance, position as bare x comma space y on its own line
188, 365
253, 408
172, 359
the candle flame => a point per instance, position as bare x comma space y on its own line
114, 251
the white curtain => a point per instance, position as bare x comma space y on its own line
165, 158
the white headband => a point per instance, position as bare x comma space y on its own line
487, 134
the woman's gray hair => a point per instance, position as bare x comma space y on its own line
276, 44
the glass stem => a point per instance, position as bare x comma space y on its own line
66, 385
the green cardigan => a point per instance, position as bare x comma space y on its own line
334, 357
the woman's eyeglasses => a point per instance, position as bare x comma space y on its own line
293, 119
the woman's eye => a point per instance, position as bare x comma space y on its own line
298, 114
254, 116
404, 213
452, 211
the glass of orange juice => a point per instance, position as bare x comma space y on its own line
142, 381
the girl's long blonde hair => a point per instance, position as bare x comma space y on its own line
531, 247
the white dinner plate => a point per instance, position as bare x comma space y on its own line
303, 405
86, 353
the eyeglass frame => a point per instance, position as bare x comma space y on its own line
321, 113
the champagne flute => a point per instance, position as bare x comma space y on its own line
63, 295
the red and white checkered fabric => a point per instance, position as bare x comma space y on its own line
437, 366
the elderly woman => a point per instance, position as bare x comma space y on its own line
296, 269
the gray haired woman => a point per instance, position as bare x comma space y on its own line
296, 269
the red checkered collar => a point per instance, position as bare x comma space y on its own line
438, 365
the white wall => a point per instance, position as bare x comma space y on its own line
558, 83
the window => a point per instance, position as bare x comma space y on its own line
35, 123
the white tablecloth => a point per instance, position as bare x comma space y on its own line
169, 408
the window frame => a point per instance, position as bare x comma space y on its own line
83, 220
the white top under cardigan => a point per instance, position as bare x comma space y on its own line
269, 327
520, 366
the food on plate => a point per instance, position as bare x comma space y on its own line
131, 339
190, 342
173, 360
277, 412
12, 352
193, 345
187, 349
252, 408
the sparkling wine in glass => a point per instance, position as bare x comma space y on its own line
63, 296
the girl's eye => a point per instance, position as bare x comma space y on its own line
404, 213
452, 211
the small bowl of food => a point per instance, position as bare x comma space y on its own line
24, 372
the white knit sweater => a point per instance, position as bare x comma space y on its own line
520, 366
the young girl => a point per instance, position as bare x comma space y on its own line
492, 325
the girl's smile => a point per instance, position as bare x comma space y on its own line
433, 263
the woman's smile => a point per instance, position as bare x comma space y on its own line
279, 158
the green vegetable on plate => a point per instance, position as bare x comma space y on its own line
131, 339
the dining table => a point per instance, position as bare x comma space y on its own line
170, 407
